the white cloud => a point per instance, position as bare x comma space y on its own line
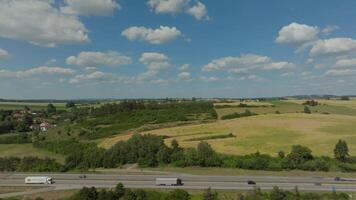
333, 46
161, 35
209, 79
345, 63
50, 61
199, 10
43, 70
167, 6
246, 63
298, 34
328, 29
184, 67
145, 76
40, 23
155, 61
185, 76
97, 59
90, 7
4, 54
96, 77
341, 72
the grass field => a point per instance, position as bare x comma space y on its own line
349, 104
291, 106
32, 106
22, 150
266, 133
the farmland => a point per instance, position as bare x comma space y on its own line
31, 105
267, 133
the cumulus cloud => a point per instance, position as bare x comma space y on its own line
333, 46
341, 72
43, 70
4, 54
161, 35
246, 63
209, 78
39, 22
155, 61
199, 10
97, 59
90, 7
297, 34
185, 76
328, 29
345, 63
97, 77
184, 67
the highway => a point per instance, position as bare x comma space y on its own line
72, 181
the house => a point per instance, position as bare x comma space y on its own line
44, 126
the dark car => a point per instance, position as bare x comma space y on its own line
337, 179
251, 182
83, 176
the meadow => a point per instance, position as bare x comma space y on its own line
32, 105
265, 133
23, 150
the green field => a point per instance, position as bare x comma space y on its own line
32, 106
291, 107
22, 150
267, 133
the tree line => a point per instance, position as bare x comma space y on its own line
151, 151
29, 164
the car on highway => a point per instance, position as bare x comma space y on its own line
169, 181
83, 176
251, 182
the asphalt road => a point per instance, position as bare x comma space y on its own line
72, 181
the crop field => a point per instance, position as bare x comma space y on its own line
32, 106
291, 106
265, 133
349, 104
23, 150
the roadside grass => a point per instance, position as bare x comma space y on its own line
7, 189
265, 133
195, 194
23, 150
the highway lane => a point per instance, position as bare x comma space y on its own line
72, 181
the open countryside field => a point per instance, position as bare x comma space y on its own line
291, 107
23, 150
265, 133
333, 102
32, 106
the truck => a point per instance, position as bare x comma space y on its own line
168, 181
38, 180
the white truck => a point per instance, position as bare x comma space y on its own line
168, 181
38, 180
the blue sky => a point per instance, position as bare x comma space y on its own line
62, 49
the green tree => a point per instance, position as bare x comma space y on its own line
341, 151
210, 195
70, 104
178, 195
278, 194
119, 190
51, 108
307, 110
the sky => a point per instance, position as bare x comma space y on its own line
77, 49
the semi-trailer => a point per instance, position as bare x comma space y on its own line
38, 180
168, 181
